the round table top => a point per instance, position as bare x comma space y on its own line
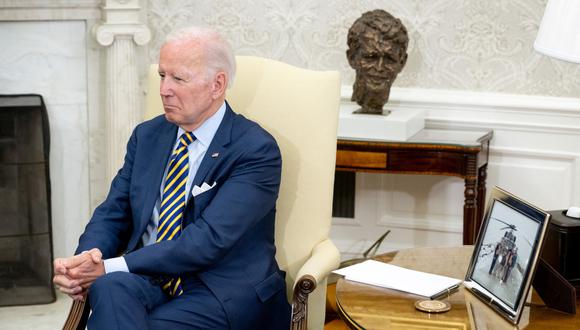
369, 307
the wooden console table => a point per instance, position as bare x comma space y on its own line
461, 153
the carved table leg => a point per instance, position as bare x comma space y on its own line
470, 204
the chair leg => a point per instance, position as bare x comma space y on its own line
77, 316
306, 284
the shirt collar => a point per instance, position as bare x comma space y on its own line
207, 130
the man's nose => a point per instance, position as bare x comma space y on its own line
165, 88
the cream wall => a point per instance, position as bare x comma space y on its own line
457, 45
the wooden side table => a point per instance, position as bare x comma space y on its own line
460, 153
364, 306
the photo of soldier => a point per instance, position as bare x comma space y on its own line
495, 256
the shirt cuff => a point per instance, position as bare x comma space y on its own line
115, 265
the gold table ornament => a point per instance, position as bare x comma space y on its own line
432, 306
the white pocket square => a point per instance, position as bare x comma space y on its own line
196, 190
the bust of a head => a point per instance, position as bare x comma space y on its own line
377, 50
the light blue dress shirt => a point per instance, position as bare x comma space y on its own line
196, 151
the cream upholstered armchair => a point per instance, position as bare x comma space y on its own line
300, 109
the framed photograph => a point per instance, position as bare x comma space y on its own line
506, 253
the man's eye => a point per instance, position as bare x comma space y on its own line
178, 78
162, 75
388, 59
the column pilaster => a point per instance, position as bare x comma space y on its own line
121, 31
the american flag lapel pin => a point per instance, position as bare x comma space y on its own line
215, 155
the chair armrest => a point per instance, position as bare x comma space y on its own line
324, 259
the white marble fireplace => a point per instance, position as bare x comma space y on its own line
81, 56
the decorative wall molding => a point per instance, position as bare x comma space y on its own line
552, 115
471, 101
568, 157
549, 179
506, 126
543, 161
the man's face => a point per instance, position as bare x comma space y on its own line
187, 90
378, 61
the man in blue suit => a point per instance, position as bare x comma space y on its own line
191, 212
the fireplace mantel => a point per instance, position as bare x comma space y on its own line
27, 10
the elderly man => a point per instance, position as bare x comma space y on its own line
191, 212
377, 50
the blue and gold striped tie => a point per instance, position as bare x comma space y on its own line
173, 203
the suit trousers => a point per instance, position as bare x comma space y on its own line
121, 300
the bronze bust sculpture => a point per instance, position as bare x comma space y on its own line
377, 50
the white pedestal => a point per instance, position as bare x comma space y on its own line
399, 125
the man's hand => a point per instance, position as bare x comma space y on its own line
75, 274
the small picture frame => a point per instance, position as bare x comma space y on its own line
506, 253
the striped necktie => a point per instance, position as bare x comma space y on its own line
173, 203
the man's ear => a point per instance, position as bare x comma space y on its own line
404, 60
402, 63
350, 56
219, 85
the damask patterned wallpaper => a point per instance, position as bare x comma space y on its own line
454, 44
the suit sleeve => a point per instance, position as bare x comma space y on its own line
246, 196
110, 225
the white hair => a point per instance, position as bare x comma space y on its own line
218, 52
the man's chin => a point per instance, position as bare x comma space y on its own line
379, 84
171, 117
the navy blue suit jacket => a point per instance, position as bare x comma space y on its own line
228, 235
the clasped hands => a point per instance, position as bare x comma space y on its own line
74, 275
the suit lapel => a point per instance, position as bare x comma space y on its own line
216, 148
161, 146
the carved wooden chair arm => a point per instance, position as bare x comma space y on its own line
77, 316
324, 258
304, 286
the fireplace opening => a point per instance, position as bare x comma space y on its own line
25, 215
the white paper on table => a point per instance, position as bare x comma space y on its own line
398, 278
